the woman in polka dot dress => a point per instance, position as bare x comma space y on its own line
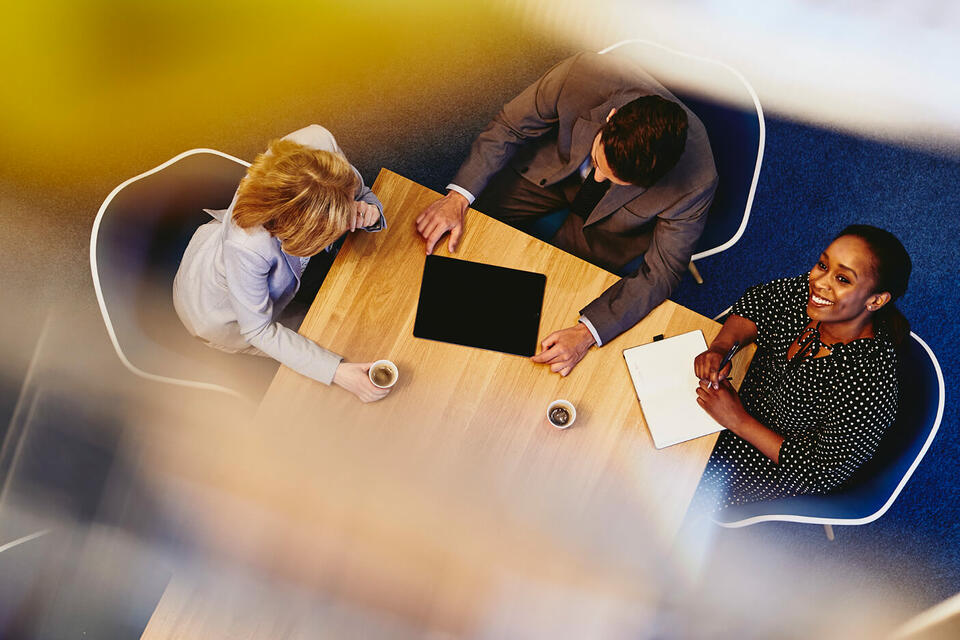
822, 387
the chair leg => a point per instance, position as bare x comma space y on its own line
829, 529
695, 272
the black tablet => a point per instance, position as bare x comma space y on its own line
480, 305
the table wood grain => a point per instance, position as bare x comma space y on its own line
431, 503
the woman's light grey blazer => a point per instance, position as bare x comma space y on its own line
233, 284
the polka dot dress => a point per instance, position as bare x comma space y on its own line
831, 411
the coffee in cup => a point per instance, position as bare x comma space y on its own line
561, 414
384, 374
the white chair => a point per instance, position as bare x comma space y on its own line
138, 239
870, 492
730, 110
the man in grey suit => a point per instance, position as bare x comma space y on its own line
600, 136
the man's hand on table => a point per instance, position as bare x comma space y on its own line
354, 377
446, 214
563, 349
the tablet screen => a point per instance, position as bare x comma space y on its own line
480, 305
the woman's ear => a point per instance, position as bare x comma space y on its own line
877, 300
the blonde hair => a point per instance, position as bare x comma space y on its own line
304, 197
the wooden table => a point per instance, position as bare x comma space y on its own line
436, 502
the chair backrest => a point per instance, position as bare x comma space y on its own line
731, 113
920, 410
138, 239
872, 490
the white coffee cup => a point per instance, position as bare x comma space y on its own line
562, 404
376, 374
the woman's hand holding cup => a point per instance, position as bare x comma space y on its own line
354, 377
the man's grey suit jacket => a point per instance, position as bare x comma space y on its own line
547, 131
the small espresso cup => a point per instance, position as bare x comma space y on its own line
561, 414
383, 374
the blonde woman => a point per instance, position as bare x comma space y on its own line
242, 269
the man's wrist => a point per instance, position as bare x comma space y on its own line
587, 339
584, 321
462, 203
466, 195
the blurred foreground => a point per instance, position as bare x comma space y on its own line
330, 532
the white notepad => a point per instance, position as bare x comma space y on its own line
666, 386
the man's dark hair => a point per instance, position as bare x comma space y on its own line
644, 139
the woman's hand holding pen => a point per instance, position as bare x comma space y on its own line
717, 396
713, 365
707, 366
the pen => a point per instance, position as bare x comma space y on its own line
726, 360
